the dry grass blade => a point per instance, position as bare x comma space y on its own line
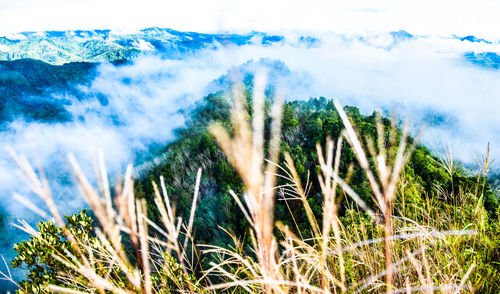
389, 170
245, 150
31, 206
193, 208
329, 248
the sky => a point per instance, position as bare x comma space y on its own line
436, 17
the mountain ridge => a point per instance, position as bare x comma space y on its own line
60, 47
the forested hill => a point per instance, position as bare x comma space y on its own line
304, 124
28, 88
429, 196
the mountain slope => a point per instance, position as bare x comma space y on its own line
304, 124
28, 86
105, 45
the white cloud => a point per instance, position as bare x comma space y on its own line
144, 46
4, 48
416, 75
442, 17
144, 98
15, 37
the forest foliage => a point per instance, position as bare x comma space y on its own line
304, 123
432, 193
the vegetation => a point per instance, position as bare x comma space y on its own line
304, 124
37, 255
370, 212
27, 85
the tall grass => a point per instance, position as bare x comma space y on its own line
394, 247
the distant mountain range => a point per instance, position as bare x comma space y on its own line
34, 65
58, 47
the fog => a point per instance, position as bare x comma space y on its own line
421, 77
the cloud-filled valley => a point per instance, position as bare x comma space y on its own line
130, 109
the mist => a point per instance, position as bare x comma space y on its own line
423, 78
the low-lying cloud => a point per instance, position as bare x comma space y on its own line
424, 77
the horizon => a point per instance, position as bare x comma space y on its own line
130, 31
446, 17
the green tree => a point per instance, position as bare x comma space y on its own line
37, 254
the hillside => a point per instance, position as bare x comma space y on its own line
442, 214
28, 88
304, 124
